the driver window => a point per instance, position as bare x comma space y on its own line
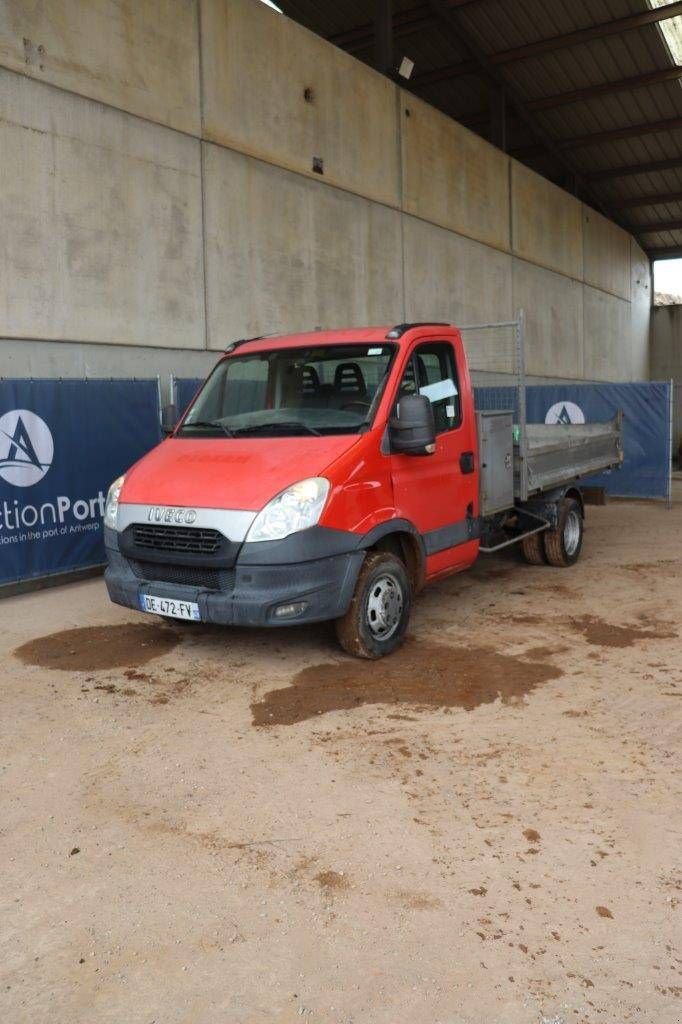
431, 372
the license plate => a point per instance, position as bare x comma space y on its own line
170, 607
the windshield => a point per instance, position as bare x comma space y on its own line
328, 389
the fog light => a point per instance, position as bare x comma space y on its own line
287, 611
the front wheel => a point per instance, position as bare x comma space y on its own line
563, 545
376, 620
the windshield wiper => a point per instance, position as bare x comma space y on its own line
280, 425
214, 424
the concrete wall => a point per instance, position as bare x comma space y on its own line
141, 56
101, 216
666, 360
256, 68
452, 177
641, 289
546, 223
666, 343
178, 173
287, 253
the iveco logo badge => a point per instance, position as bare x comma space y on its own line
174, 516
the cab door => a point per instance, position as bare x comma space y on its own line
438, 493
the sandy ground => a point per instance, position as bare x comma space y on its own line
228, 826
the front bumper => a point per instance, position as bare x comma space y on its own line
323, 586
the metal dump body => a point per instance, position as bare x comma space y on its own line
556, 454
559, 453
544, 455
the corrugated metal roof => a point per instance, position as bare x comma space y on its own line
495, 27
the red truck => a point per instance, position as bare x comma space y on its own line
330, 475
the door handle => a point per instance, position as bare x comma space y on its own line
466, 462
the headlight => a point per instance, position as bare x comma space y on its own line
111, 507
297, 508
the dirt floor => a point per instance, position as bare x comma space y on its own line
233, 827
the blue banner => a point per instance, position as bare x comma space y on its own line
62, 442
645, 472
245, 397
185, 390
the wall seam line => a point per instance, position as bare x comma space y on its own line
401, 201
202, 177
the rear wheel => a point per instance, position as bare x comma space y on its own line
376, 621
563, 545
533, 549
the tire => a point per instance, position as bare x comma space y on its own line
533, 549
563, 545
376, 620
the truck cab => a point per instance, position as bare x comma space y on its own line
316, 476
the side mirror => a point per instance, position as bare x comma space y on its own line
412, 431
169, 418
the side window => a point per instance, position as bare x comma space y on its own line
432, 372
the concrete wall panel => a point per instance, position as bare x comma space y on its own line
553, 305
640, 312
546, 223
666, 360
142, 57
606, 254
256, 68
38, 358
452, 177
666, 348
608, 349
448, 277
286, 253
101, 223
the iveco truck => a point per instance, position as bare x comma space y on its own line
331, 476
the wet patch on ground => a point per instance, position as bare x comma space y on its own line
420, 674
332, 881
92, 648
417, 900
605, 634
543, 651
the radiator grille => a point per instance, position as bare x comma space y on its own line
185, 575
181, 539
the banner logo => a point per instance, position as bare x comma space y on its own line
565, 412
26, 448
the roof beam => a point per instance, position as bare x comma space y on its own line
591, 92
629, 169
463, 67
363, 35
630, 131
414, 18
661, 225
383, 36
651, 200
584, 35
577, 95
672, 253
459, 34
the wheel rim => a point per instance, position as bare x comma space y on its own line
572, 532
384, 606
